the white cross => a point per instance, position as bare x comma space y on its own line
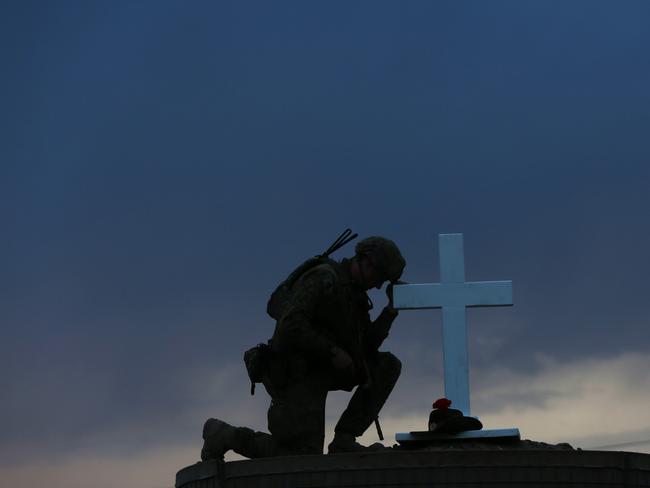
453, 295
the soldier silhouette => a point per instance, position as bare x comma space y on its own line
323, 340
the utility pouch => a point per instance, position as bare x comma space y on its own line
257, 361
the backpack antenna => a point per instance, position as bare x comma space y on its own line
341, 241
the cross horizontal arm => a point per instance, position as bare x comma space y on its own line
438, 295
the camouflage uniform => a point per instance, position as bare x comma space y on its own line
326, 310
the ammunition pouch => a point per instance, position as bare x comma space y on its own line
257, 361
264, 365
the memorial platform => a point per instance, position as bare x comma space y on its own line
467, 467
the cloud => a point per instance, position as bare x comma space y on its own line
576, 402
153, 468
588, 403
142, 452
219, 392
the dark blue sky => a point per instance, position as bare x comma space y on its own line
165, 164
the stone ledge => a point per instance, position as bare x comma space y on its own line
509, 468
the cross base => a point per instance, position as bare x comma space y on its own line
423, 438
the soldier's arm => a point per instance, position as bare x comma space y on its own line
377, 331
296, 328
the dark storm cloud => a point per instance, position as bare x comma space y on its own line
165, 165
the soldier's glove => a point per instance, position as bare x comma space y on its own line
389, 293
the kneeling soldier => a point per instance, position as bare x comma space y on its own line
324, 341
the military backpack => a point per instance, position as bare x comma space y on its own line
281, 296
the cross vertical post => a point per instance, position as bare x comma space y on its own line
454, 324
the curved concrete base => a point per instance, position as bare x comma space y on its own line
469, 468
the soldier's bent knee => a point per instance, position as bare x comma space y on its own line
390, 363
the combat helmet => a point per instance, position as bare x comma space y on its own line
386, 255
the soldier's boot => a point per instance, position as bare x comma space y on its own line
344, 442
218, 437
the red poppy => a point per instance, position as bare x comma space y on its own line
442, 404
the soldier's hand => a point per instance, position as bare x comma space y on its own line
389, 292
340, 358
389, 295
